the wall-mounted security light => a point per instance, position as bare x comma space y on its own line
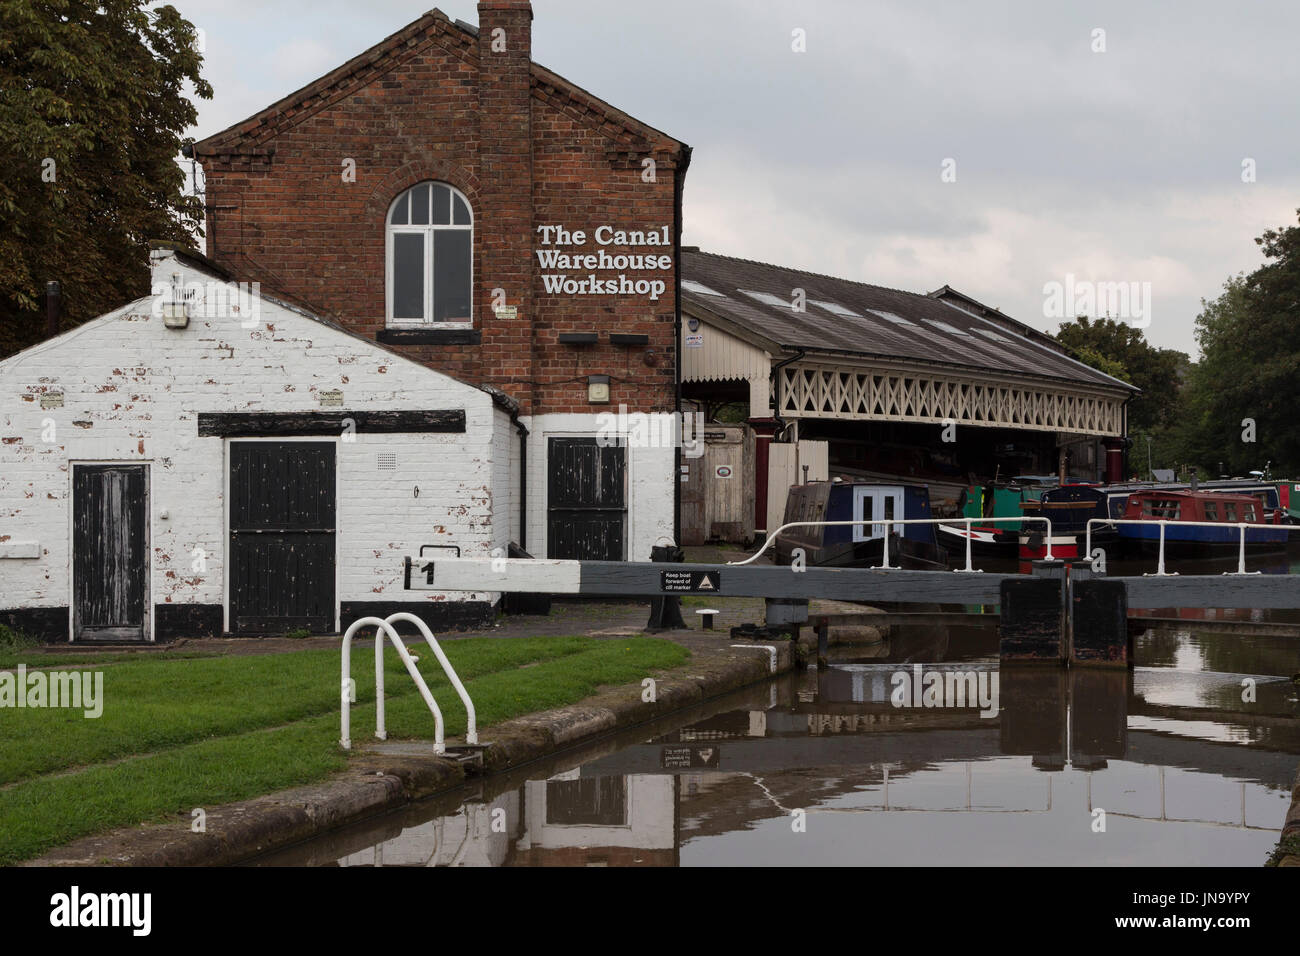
176, 315
598, 389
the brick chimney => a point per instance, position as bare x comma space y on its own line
504, 223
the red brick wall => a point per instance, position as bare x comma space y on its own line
525, 154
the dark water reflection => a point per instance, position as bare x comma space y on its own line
1187, 769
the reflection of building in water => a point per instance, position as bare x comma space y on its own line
571, 820
480, 834
851, 751
568, 820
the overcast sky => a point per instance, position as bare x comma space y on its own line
1115, 166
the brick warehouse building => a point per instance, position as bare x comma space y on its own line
305, 197
463, 260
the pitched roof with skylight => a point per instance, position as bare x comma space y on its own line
855, 318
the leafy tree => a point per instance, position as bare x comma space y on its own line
1103, 363
92, 112
1121, 350
1250, 370
1197, 436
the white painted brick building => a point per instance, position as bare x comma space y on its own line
260, 470
125, 390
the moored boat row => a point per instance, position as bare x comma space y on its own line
1125, 520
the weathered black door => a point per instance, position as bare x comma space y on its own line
586, 500
281, 536
110, 552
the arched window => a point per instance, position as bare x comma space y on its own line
430, 255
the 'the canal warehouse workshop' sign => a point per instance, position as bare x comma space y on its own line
563, 262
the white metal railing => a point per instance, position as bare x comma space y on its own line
889, 522
1242, 526
1165, 818
890, 807
386, 628
471, 724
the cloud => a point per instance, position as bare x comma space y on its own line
1115, 166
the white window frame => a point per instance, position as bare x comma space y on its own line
428, 232
877, 520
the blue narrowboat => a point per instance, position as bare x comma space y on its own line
1196, 541
872, 507
1267, 493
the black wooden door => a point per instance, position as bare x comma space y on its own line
281, 536
110, 552
586, 500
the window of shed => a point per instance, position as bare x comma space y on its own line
429, 251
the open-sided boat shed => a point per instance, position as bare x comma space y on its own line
847, 379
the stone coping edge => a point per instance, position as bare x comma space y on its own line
377, 783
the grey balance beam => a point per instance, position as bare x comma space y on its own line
1213, 590
647, 579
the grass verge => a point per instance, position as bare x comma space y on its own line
176, 734
1288, 846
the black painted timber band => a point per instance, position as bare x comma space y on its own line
233, 424
430, 337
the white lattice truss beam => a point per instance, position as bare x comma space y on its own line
892, 395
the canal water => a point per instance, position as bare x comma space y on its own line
1185, 760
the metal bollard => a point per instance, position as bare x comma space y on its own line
666, 612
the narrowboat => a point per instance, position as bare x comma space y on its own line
1194, 541
1068, 508
1034, 486
1288, 504
860, 545
996, 540
1288, 495
1268, 493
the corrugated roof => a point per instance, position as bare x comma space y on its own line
845, 316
